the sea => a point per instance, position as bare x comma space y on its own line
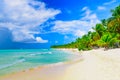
17, 60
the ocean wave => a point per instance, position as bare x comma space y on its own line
45, 53
32, 54
11, 64
40, 53
49, 52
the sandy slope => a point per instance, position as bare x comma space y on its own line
96, 65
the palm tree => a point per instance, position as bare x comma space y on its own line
114, 25
116, 11
100, 29
114, 21
108, 40
95, 36
104, 22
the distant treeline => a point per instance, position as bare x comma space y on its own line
106, 34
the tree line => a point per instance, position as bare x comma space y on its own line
106, 34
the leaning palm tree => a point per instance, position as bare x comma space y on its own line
100, 29
114, 21
85, 42
104, 22
114, 25
108, 40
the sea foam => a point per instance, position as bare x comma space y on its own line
11, 64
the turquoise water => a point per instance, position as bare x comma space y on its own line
17, 60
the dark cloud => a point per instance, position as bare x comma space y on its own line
6, 41
5, 38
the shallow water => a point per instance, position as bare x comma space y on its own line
17, 60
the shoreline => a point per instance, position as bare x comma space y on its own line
70, 51
95, 65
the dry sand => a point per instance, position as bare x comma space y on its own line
95, 65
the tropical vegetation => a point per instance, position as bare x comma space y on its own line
106, 34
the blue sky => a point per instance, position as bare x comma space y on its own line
41, 23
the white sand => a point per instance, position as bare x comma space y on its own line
96, 65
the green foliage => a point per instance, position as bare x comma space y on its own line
108, 40
85, 42
100, 29
106, 34
114, 21
116, 11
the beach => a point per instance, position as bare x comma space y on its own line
94, 65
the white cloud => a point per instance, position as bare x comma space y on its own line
110, 2
23, 19
65, 26
77, 27
66, 37
80, 33
101, 8
40, 40
86, 10
92, 30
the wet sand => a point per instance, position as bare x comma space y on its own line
95, 65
